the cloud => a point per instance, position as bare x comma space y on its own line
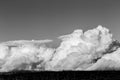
78, 50
89, 42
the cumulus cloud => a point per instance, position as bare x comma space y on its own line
90, 43
77, 51
15, 53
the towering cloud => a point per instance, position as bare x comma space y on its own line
77, 51
81, 45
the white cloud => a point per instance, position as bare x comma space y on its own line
89, 45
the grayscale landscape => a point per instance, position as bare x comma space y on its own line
59, 36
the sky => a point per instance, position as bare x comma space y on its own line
48, 19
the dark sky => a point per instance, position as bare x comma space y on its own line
47, 19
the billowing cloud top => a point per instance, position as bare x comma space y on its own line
91, 41
76, 48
